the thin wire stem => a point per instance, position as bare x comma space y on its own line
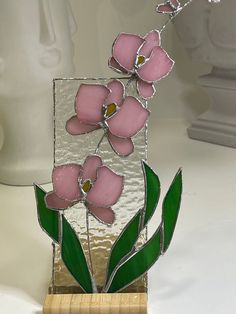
174, 15
89, 243
131, 78
94, 285
100, 142
53, 265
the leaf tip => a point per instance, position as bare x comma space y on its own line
38, 187
179, 175
144, 162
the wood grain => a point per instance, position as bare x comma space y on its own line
116, 303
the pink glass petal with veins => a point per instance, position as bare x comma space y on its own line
106, 189
165, 8
115, 66
89, 101
130, 119
117, 92
145, 90
125, 50
158, 66
65, 182
122, 146
90, 166
105, 215
75, 127
152, 39
53, 201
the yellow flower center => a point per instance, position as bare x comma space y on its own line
86, 186
110, 110
140, 60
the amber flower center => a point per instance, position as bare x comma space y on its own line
86, 186
140, 60
110, 110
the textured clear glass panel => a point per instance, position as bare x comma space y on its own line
70, 148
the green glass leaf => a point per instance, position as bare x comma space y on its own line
127, 268
48, 219
124, 243
170, 210
74, 258
138, 264
152, 192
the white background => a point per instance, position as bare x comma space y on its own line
198, 273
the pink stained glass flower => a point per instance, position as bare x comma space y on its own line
169, 7
142, 57
97, 186
99, 106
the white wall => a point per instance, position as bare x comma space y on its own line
99, 22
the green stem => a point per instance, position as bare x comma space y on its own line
89, 243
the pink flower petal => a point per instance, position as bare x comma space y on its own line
105, 215
175, 4
152, 39
65, 182
54, 202
75, 127
165, 8
90, 167
122, 146
89, 101
130, 119
145, 90
107, 188
117, 92
115, 66
125, 50
158, 66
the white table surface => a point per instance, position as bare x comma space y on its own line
197, 274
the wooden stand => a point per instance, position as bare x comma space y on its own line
117, 303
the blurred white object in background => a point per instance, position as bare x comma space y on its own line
36, 47
208, 31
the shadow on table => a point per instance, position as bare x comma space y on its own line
25, 253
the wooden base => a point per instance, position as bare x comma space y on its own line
117, 303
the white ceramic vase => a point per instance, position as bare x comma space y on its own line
208, 32
36, 47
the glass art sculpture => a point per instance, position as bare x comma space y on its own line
104, 192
